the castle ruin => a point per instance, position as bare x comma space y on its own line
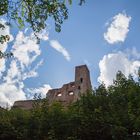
72, 91
68, 93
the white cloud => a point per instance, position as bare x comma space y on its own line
11, 88
57, 46
25, 52
13, 73
44, 35
3, 47
113, 62
25, 49
41, 90
2, 66
133, 53
118, 29
9, 93
32, 72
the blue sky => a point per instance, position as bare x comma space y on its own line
102, 34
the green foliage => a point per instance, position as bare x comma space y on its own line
6, 55
105, 114
35, 13
3, 39
3, 7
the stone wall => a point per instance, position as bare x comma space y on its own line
68, 93
26, 104
71, 92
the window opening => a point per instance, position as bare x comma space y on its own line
79, 87
81, 80
71, 93
59, 94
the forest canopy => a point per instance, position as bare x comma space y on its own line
102, 114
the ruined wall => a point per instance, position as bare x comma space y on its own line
68, 93
71, 92
64, 94
25, 104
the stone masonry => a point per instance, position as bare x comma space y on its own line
71, 92
24, 104
68, 93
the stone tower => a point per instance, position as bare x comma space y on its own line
82, 80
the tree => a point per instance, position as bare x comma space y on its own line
104, 114
139, 74
33, 13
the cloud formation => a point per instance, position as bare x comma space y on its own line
41, 90
118, 29
12, 86
58, 47
9, 93
3, 47
113, 62
25, 50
